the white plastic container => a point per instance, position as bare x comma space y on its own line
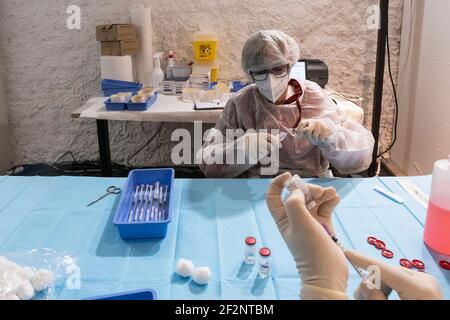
437, 227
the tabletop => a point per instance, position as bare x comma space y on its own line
211, 220
166, 109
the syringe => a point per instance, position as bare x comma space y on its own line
362, 273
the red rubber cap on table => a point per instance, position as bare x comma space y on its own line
418, 264
250, 241
372, 240
445, 265
380, 245
265, 252
406, 263
388, 254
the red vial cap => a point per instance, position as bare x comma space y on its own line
380, 245
372, 240
265, 252
250, 241
406, 263
445, 265
418, 264
388, 254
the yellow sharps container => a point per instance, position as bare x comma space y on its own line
205, 47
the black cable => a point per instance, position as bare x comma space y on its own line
63, 156
394, 140
157, 133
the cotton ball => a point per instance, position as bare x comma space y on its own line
26, 273
9, 281
185, 268
43, 279
11, 297
201, 276
6, 264
25, 291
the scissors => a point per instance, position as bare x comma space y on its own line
110, 190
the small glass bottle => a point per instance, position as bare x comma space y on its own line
296, 183
250, 251
264, 262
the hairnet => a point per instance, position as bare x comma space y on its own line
269, 48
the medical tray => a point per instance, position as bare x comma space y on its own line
145, 229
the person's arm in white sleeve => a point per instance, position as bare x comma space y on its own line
347, 145
217, 147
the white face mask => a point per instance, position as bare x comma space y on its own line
273, 88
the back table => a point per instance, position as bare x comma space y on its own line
211, 220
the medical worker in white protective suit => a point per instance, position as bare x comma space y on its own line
321, 263
318, 133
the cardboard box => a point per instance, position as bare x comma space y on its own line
120, 48
116, 32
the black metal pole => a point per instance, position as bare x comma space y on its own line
379, 82
104, 148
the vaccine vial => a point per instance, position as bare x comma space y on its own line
250, 251
296, 183
264, 262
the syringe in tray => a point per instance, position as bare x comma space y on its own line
149, 203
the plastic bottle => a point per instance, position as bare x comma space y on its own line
250, 251
169, 72
437, 234
158, 74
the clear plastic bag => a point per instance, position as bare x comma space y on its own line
37, 268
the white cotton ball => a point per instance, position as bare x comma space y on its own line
6, 264
9, 281
201, 276
11, 297
26, 273
43, 279
184, 268
25, 291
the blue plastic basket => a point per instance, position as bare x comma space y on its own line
110, 92
110, 87
238, 86
141, 295
142, 106
114, 106
114, 84
144, 230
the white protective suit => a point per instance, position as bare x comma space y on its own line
348, 149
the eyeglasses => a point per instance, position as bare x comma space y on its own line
278, 72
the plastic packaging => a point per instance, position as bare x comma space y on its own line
33, 275
437, 235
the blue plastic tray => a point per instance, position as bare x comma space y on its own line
110, 92
114, 106
141, 295
144, 230
114, 84
142, 106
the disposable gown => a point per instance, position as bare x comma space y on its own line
349, 149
